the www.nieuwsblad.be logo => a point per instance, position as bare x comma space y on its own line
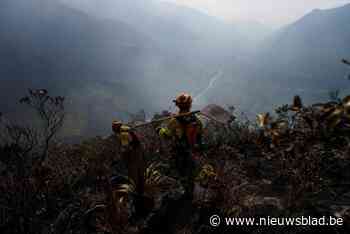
215, 221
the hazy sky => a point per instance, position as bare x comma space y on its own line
269, 12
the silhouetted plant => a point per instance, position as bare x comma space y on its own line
51, 113
20, 143
23, 149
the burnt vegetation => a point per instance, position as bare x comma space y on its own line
293, 162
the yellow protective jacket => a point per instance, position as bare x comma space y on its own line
132, 156
125, 137
188, 128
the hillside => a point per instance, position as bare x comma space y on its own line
303, 58
292, 164
312, 47
196, 38
47, 44
247, 151
104, 66
114, 58
105, 57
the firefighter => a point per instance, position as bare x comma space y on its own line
185, 131
131, 154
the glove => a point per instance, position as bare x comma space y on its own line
163, 132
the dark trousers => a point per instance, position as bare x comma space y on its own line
185, 166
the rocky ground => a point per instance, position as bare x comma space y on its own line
290, 164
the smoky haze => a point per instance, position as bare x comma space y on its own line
113, 58
270, 12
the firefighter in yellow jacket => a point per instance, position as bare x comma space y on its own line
186, 133
131, 153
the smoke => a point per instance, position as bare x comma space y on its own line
112, 58
274, 13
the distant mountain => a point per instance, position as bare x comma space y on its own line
302, 58
113, 57
143, 15
44, 44
181, 30
310, 50
193, 44
106, 67
69, 40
